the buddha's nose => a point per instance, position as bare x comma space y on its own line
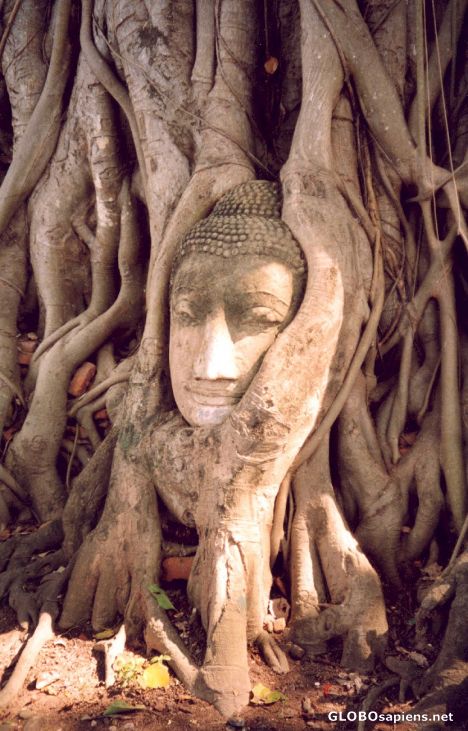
216, 358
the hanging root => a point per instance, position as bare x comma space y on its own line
43, 126
57, 366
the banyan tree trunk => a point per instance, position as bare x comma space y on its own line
111, 151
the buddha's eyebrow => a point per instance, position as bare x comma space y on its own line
268, 297
188, 289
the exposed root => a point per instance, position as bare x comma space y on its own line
18, 575
372, 697
99, 390
85, 418
13, 485
451, 665
272, 653
112, 649
358, 612
42, 634
20, 549
46, 598
87, 496
13, 388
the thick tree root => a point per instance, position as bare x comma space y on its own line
272, 653
18, 550
18, 575
444, 683
372, 697
46, 598
333, 560
42, 634
112, 649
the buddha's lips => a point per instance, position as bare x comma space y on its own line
214, 397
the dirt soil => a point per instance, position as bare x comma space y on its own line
78, 698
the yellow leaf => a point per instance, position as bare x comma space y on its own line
264, 696
155, 676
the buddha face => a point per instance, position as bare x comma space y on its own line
225, 314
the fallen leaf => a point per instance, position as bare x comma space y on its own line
261, 695
106, 634
326, 688
46, 678
160, 596
156, 675
122, 707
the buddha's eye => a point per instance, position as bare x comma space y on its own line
185, 312
261, 316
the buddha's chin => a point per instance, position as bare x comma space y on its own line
207, 416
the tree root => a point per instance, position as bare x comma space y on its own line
372, 697
112, 649
272, 653
87, 495
19, 549
16, 576
223, 687
358, 610
46, 598
451, 662
99, 390
13, 485
42, 634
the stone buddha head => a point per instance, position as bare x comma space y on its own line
237, 281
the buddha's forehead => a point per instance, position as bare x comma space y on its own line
207, 274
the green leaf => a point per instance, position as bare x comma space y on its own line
261, 695
160, 596
106, 634
122, 707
